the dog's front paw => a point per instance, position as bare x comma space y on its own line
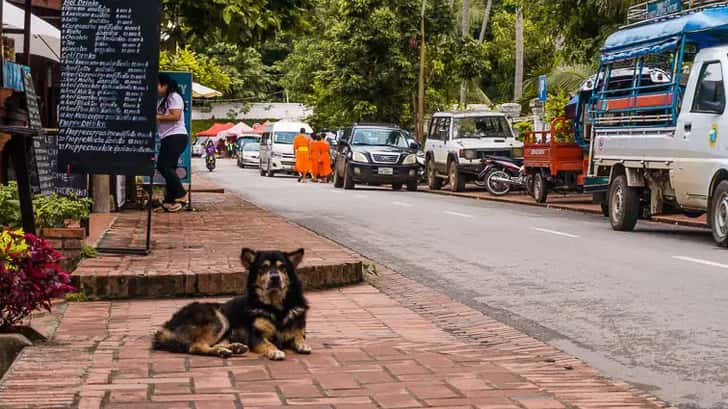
238, 348
224, 352
303, 349
276, 355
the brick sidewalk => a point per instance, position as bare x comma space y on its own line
573, 201
198, 253
369, 352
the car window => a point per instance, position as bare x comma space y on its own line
481, 127
284, 137
710, 92
251, 146
379, 137
433, 134
443, 129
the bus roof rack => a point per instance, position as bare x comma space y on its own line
656, 10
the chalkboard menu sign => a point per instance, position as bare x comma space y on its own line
110, 61
42, 171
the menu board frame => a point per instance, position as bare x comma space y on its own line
108, 111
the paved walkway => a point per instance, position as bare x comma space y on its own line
369, 352
390, 344
198, 252
573, 201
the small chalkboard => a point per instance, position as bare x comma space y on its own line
109, 63
42, 171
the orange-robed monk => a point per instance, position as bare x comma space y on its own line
320, 158
302, 149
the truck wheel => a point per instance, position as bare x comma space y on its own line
338, 180
540, 190
457, 182
433, 182
348, 181
412, 186
624, 205
719, 214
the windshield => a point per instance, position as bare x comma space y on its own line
483, 127
379, 137
284, 137
251, 147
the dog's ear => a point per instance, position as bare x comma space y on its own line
295, 257
247, 257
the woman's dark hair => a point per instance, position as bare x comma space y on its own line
172, 87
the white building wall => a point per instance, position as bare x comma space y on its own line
234, 111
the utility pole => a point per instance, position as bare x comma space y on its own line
421, 90
518, 88
465, 26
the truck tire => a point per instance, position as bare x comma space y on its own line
540, 190
348, 180
719, 214
412, 186
433, 182
338, 180
624, 204
457, 182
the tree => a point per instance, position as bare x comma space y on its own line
205, 70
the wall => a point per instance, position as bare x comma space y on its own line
275, 111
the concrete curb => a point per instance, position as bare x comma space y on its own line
188, 284
657, 219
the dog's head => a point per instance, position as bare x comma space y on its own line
272, 274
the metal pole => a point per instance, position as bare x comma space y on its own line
26, 33
421, 91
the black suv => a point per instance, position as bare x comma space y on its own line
375, 154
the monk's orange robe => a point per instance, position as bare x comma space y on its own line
302, 149
320, 159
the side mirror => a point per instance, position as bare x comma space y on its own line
414, 146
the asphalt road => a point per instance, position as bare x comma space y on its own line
649, 307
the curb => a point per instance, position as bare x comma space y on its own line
657, 219
187, 284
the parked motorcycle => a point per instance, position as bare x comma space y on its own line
210, 162
502, 174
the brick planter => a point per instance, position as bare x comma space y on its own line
67, 241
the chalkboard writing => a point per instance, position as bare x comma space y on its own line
42, 171
109, 86
67, 184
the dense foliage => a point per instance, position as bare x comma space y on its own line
30, 276
50, 210
359, 60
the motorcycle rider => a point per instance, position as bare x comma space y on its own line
210, 152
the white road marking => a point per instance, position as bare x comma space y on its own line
558, 233
700, 261
467, 216
401, 204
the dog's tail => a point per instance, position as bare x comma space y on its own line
165, 340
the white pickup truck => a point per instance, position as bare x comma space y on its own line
459, 141
663, 147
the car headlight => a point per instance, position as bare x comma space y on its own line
517, 152
410, 160
359, 157
469, 154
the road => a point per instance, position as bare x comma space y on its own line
649, 307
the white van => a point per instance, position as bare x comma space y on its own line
276, 147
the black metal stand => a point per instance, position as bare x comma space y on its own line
148, 246
20, 162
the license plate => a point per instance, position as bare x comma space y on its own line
386, 171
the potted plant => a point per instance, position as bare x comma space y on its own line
30, 277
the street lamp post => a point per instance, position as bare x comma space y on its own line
421, 91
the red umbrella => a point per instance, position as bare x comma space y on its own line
216, 129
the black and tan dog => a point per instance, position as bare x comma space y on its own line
270, 316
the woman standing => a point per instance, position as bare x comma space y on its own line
173, 137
